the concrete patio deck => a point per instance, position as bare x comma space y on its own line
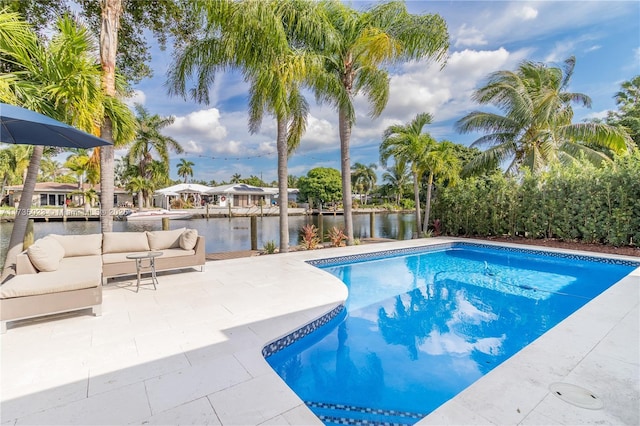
190, 353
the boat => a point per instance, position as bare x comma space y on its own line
156, 214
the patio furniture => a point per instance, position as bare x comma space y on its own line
139, 258
61, 273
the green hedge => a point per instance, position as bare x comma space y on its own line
579, 202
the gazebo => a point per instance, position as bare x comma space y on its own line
184, 190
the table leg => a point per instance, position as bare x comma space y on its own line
154, 279
138, 268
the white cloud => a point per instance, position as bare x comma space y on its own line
443, 93
527, 13
137, 97
469, 37
600, 115
197, 130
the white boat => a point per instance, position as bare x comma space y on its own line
157, 214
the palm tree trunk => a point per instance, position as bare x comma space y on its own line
416, 197
283, 184
20, 222
111, 11
345, 161
427, 209
5, 179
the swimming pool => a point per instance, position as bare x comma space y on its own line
422, 324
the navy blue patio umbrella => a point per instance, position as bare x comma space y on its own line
22, 126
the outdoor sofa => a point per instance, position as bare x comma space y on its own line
61, 273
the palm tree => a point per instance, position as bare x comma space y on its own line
185, 168
397, 176
59, 79
535, 128
441, 161
111, 10
365, 42
628, 113
292, 181
139, 185
236, 178
49, 168
409, 144
79, 164
258, 38
364, 179
16, 160
149, 140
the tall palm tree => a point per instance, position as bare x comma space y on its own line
442, 162
365, 42
397, 176
265, 40
185, 168
111, 10
409, 144
535, 128
364, 179
59, 79
150, 140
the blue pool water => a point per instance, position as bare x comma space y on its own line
419, 328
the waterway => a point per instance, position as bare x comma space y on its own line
232, 234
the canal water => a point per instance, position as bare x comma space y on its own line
232, 234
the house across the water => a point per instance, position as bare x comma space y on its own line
59, 194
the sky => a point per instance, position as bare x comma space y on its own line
485, 36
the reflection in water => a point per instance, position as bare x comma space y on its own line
223, 234
413, 337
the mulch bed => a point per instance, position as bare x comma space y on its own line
571, 245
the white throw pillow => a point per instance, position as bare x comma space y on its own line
46, 254
161, 240
188, 239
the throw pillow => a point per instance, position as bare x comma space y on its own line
188, 239
46, 254
160, 240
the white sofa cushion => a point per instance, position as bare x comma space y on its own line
121, 242
74, 273
160, 240
80, 245
45, 254
188, 239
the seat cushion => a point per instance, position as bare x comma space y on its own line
74, 273
160, 240
121, 242
45, 254
117, 257
80, 245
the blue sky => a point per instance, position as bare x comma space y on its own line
486, 36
